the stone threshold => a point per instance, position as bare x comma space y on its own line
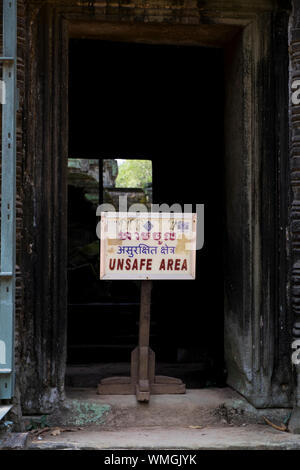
225, 437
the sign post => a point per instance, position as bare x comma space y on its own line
146, 246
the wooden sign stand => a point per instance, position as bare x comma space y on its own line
143, 382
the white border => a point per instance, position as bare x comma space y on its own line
139, 276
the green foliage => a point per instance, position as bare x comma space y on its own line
38, 424
134, 174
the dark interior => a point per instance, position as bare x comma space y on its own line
166, 104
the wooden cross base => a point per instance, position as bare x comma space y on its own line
142, 388
143, 380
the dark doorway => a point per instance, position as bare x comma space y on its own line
164, 104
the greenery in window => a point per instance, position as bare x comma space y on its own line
134, 174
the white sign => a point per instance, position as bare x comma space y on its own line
147, 245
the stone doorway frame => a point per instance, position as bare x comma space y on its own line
259, 365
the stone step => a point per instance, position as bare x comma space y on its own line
251, 437
211, 406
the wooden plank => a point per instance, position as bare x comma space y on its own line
144, 332
142, 396
167, 388
115, 380
164, 379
